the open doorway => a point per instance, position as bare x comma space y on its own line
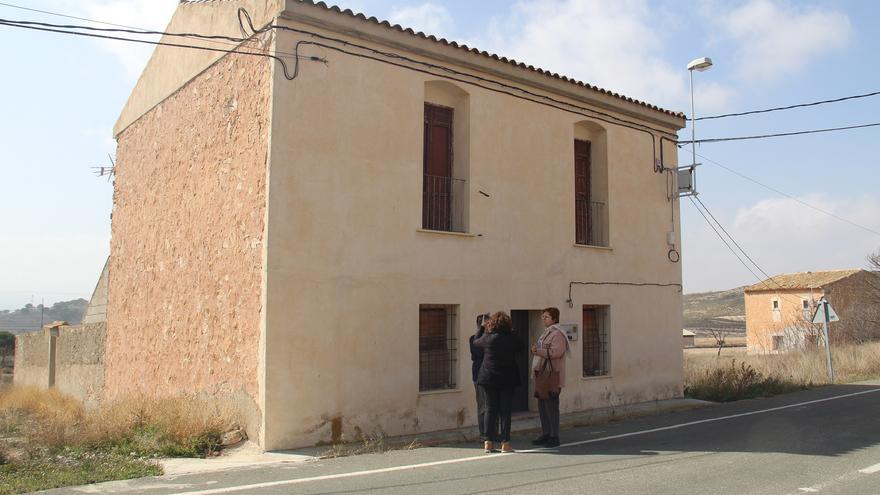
527, 327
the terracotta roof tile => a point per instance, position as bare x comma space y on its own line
803, 280
443, 41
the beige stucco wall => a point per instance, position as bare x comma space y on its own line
347, 264
186, 263
762, 324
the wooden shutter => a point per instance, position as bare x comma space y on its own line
583, 218
433, 349
592, 342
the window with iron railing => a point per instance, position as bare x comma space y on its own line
590, 215
437, 347
595, 341
443, 203
589, 226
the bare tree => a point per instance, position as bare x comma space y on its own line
719, 335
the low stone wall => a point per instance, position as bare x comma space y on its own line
32, 358
78, 360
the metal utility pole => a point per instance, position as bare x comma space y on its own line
827, 340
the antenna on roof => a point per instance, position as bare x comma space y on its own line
108, 171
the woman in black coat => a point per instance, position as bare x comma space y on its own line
497, 378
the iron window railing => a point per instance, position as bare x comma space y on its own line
590, 223
438, 348
443, 203
595, 341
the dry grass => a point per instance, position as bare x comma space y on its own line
174, 426
48, 439
734, 377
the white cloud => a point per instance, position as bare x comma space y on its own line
778, 39
617, 45
145, 14
428, 17
782, 236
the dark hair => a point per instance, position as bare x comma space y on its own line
554, 314
482, 319
499, 322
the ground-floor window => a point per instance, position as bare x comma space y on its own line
595, 340
437, 346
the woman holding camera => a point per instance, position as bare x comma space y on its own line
497, 378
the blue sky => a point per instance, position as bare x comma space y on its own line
62, 96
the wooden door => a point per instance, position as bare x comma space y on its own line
437, 183
582, 207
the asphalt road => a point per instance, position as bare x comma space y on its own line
818, 441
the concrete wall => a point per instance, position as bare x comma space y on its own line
348, 263
96, 311
78, 360
186, 263
32, 358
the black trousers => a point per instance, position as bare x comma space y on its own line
481, 411
499, 407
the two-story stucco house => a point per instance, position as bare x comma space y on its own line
779, 310
314, 241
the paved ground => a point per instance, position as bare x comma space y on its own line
819, 441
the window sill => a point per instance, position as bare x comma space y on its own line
439, 392
600, 248
445, 232
591, 378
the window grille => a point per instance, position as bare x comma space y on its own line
595, 340
437, 347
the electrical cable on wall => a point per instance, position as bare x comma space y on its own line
570, 302
244, 17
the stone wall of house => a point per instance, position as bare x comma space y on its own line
186, 262
78, 360
856, 300
789, 323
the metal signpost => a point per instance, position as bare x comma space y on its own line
825, 314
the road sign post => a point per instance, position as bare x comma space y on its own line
825, 314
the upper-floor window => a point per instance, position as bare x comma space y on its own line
445, 160
590, 185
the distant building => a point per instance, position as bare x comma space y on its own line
779, 310
689, 338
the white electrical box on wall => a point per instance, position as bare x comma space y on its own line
570, 329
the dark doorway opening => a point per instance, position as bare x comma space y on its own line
520, 321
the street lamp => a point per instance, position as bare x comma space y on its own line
700, 64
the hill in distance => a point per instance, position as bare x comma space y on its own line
27, 318
722, 309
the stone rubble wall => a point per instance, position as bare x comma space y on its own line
186, 262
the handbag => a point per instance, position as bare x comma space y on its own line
546, 381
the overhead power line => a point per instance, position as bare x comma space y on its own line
29, 25
716, 225
781, 134
789, 196
789, 107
